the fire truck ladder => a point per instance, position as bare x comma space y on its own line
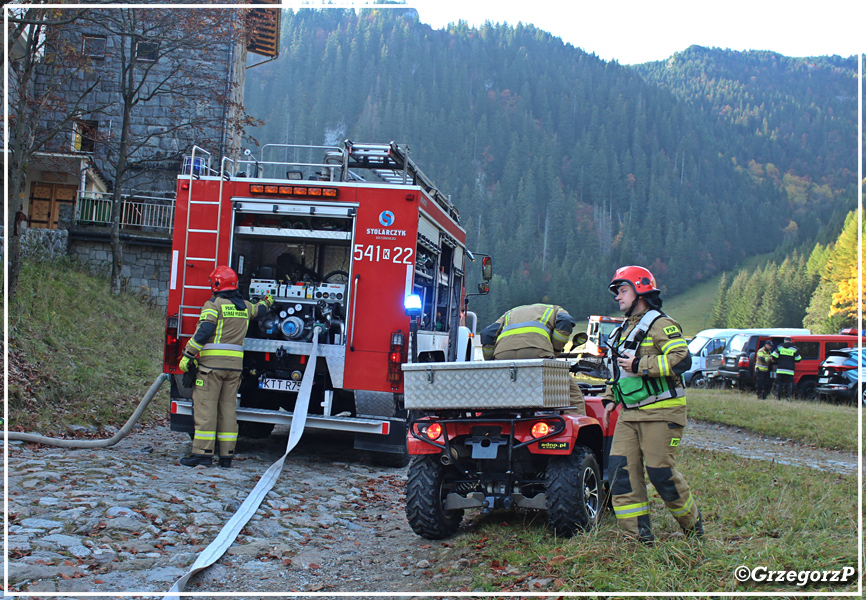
391, 163
195, 172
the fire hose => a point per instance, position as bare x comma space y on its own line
248, 508
124, 431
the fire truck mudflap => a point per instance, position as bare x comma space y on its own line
339, 242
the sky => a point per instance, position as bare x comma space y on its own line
632, 31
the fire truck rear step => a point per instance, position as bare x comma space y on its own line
263, 415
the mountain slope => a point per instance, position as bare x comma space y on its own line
563, 166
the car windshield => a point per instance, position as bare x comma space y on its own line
738, 343
697, 344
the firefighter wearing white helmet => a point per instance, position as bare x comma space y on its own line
532, 331
650, 359
218, 342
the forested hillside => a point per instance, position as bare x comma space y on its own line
564, 166
789, 122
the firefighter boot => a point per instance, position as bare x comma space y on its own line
696, 530
225, 462
194, 460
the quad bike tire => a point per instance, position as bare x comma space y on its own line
574, 491
426, 488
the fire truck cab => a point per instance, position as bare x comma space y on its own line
340, 237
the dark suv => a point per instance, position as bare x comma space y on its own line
739, 357
840, 372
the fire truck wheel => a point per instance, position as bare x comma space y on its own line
426, 489
574, 492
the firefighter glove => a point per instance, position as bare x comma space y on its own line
268, 300
187, 363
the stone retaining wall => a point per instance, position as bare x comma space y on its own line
146, 269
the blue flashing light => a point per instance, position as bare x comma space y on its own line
412, 305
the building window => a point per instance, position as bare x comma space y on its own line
94, 46
146, 51
84, 136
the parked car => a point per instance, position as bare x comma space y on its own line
840, 372
739, 357
703, 347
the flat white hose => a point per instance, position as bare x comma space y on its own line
232, 528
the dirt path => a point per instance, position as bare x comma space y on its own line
745, 443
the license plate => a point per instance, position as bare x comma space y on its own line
823, 379
282, 385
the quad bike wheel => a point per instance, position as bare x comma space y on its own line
426, 489
574, 492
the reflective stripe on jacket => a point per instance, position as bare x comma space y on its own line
662, 353
786, 356
545, 327
224, 348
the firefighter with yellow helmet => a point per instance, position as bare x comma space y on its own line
532, 331
218, 342
650, 356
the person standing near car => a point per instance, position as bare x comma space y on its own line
651, 356
786, 357
216, 350
532, 331
763, 359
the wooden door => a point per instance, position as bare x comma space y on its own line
45, 202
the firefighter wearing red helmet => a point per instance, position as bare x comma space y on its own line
218, 342
532, 331
651, 357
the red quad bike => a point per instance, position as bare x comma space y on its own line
527, 456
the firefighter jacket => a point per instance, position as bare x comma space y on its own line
786, 357
661, 357
544, 327
762, 360
218, 340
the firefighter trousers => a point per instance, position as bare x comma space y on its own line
784, 386
651, 445
575, 396
214, 402
763, 383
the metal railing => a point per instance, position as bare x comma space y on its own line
136, 212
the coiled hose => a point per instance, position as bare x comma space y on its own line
124, 431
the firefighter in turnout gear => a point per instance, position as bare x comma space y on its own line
763, 359
649, 359
786, 357
218, 342
532, 331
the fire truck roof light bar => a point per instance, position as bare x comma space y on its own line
294, 190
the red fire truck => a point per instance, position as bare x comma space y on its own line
340, 237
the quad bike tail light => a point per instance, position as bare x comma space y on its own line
540, 429
433, 431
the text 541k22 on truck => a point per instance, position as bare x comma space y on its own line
339, 237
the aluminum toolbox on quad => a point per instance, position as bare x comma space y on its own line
532, 383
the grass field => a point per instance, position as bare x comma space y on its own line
814, 423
